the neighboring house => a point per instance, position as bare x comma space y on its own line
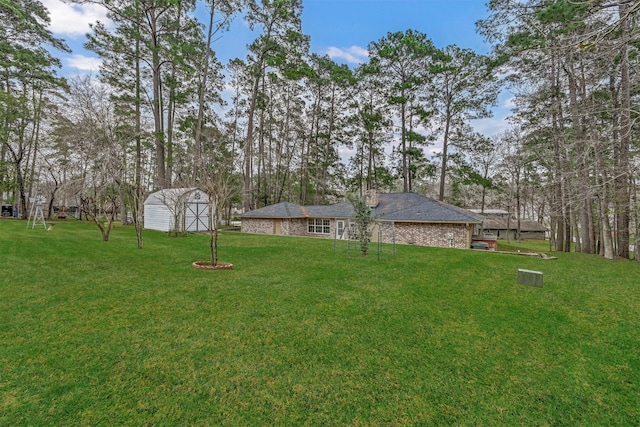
490, 212
503, 226
177, 209
404, 218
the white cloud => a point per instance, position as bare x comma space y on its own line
491, 126
346, 154
353, 54
84, 63
73, 20
509, 102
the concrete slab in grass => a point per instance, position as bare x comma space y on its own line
530, 278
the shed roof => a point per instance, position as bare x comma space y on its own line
170, 196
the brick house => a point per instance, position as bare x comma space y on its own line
403, 218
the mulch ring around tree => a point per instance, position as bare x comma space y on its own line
206, 265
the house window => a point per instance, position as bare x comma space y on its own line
319, 226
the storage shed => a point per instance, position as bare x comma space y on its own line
177, 209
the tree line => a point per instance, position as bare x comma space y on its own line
285, 124
574, 68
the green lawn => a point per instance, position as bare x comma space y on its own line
101, 333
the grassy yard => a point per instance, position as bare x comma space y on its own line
101, 333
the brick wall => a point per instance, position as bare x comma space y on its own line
257, 226
439, 235
294, 227
288, 227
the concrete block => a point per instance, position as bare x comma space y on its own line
530, 278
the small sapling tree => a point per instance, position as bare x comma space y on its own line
101, 204
174, 200
363, 222
217, 179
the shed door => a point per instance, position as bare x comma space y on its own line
277, 226
197, 218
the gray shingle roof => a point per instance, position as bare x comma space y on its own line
411, 207
407, 207
279, 210
339, 210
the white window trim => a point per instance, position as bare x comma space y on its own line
318, 226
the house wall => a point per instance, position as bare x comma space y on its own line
511, 234
533, 235
405, 233
294, 227
288, 227
259, 225
438, 235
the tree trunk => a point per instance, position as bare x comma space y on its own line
403, 136
622, 173
157, 104
557, 203
247, 199
35, 139
213, 227
137, 190
204, 76
445, 146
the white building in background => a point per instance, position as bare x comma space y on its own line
177, 209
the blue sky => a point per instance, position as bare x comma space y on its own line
341, 29
346, 23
